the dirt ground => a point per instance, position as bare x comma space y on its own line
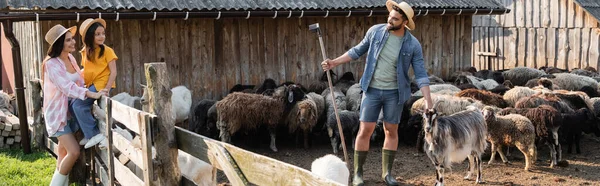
412, 168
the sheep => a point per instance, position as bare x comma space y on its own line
544, 99
487, 74
552, 70
181, 102
198, 122
511, 129
575, 101
583, 72
451, 139
241, 88
321, 109
581, 120
345, 82
126, 99
590, 91
433, 80
449, 105
331, 167
242, 111
502, 88
438, 88
350, 121
483, 83
467, 86
268, 84
321, 84
546, 121
520, 75
513, 95
354, 97
484, 96
303, 116
594, 104
569, 81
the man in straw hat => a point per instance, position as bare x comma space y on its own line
391, 49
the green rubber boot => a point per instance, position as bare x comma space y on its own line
387, 160
359, 160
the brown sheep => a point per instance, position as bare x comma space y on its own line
486, 97
249, 111
544, 99
303, 116
544, 118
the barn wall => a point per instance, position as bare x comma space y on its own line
209, 56
537, 33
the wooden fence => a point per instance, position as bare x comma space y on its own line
159, 147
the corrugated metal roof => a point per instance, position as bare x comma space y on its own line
175, 5
591, 6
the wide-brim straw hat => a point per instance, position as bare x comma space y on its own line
57, 31
407, 9
87, 23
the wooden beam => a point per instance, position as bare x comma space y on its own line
125, 147
486, 54
258, 169
159, 91
146, 145
127, 116
110, 163
38, 123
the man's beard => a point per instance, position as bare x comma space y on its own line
394, 28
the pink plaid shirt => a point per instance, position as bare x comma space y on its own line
57, 88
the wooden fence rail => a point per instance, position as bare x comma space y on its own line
136, 160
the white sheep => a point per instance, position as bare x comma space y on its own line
126, 99
446, 104
513, 95
331, 167
448, 88
181, 101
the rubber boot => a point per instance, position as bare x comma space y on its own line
359, 160
58, 179
387, 160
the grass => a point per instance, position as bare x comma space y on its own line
17, 168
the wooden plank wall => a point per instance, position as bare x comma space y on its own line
537, 33
210, 56
31, 55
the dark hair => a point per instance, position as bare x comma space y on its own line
88, 40
401, 12
56, 49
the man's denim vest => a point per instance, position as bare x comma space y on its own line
410, 53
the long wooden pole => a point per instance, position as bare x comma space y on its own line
335, 110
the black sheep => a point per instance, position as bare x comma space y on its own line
582, 120
199, 119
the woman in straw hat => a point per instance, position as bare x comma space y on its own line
99, 73
62, 82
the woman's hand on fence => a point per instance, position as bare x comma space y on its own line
104, 92
93, 95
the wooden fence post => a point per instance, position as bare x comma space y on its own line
159, 91
38, 123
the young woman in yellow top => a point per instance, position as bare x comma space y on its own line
99, 73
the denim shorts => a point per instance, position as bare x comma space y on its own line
71, 127
374, 100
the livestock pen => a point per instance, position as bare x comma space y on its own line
181, 157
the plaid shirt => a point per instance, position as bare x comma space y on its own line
57, 89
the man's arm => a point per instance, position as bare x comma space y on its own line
421, 77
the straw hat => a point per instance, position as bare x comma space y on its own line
87, 23
405, 8
57, 31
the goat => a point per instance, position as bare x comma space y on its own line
451, 139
